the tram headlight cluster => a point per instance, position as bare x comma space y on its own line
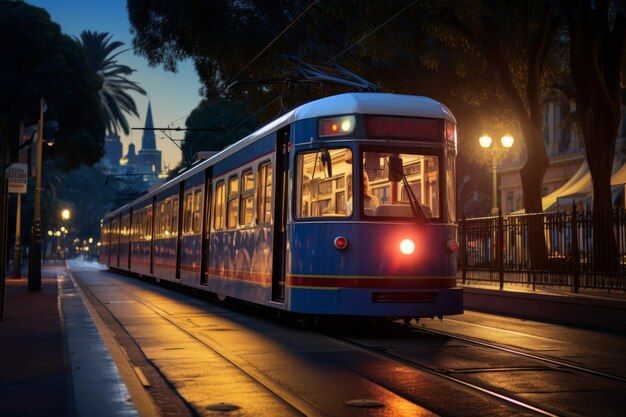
336, 126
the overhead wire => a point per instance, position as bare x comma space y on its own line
257, 56
372, 32
276, 38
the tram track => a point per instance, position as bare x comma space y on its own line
385, 348
299, 404
490, 393
545, 363
561, 364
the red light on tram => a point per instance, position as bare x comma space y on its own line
340, 242
407, 246
452, 245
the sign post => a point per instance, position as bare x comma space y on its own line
17, 177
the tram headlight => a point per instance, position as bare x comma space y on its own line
336, 126
407, 246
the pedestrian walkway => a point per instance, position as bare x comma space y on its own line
33, 379
591, 308
53, 361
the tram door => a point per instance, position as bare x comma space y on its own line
280, 214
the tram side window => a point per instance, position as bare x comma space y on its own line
451, 187
168, 217
197, 208
136, 227
158, 221
175, 210
141, 229
115, 231
187, 213
148, 233
125, 228
247, 198
264, 194
218, 216
233, 202
319, 195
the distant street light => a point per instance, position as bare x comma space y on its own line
65, 214
487, 143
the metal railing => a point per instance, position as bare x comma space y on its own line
566, 249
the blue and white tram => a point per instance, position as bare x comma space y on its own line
343, 206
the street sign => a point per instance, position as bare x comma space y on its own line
17, 177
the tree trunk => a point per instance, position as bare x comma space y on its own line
595, 59
532, 174
600, 127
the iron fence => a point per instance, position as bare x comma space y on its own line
566, 249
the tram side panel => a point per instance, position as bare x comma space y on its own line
124, 241
114, 242
239, 261
165, 234
191, 229
141, 235
240, 266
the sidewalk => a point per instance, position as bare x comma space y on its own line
598, 309
33, 380
53, 361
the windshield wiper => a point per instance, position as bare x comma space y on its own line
396, 172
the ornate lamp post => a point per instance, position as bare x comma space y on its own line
487, 143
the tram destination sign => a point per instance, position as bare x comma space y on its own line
17, 178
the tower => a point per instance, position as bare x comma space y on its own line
148, 141
149, 158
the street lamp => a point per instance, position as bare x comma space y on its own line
65, 214
487, 143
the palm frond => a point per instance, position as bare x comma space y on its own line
114, 96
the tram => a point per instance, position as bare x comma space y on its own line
342, 206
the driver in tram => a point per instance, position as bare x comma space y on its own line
370, 201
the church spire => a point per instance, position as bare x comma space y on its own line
148, 141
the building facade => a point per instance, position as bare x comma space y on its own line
565, 148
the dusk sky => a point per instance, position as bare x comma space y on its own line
173, 96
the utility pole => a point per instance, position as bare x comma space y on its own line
34, 267
3, 232
17, 248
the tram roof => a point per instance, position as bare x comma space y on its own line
347, 103
374, 103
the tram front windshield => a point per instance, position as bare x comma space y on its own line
323, 192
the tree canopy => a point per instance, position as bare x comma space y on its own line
39, 61
492, 63
215, 124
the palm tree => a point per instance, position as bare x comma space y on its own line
114, 96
